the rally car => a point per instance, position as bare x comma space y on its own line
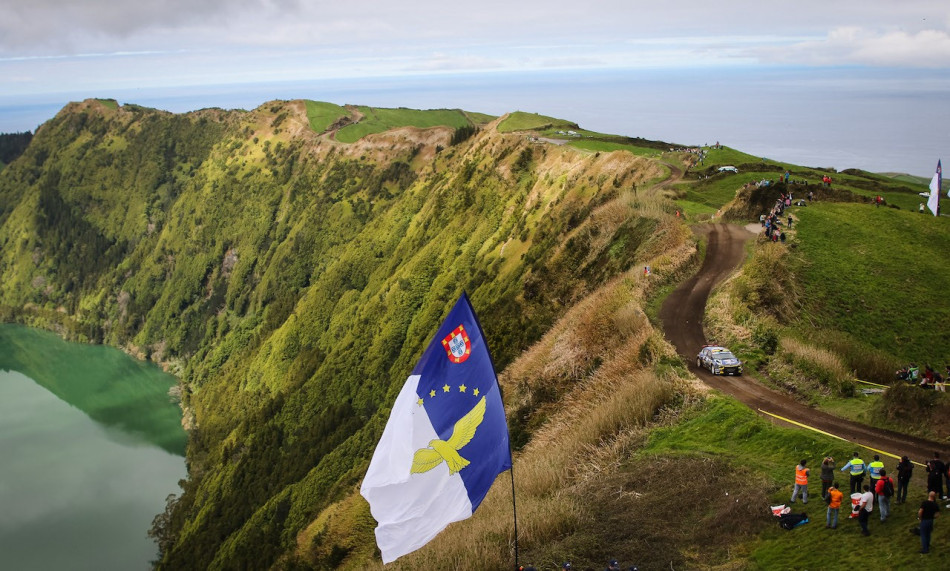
719, 360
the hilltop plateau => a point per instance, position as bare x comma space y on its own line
289, 264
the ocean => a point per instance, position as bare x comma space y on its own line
881, 120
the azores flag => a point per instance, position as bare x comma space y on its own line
445, 442
934, 201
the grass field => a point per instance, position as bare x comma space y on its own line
321, 115
522, 121
854, 259
479, 118
377, 120
607, 146
723, 429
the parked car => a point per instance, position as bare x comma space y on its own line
728, 169
719, 360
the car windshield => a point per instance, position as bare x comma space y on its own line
723, 355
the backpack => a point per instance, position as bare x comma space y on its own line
888, 487
791, 521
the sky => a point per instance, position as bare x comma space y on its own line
51, 49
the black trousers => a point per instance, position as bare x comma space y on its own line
856, 482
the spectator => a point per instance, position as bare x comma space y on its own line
935, 474
827, 474
913, 372
801, 482
885, 490
865, 507
905, 469
834, 504
874, 473
857, 468
929, 510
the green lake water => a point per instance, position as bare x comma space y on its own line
90, 446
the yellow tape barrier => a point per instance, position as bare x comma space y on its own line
818, 430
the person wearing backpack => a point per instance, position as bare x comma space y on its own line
874, 473
885, 490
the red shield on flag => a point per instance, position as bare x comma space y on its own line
457, 345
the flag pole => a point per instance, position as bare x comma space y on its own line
511, 470
514, 508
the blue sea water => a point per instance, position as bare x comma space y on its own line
882, 120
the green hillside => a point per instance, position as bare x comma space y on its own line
376, 120
290, 284
290, 272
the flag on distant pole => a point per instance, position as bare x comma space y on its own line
934, 201
444, 443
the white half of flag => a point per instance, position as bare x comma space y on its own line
934, 201
411, 508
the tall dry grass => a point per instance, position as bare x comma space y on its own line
869, 363
585, 443
593, 356
767, 283
817, 365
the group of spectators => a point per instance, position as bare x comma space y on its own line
929, 379
881, 488
772, 222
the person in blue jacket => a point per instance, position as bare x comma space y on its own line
857, 468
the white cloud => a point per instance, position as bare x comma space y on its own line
179, 42
854, 45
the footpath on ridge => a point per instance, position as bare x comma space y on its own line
682, 318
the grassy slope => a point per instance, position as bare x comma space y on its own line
607, 146
853, 261
321, 115
522, 121
377, 120
255, 263
725, 429
705, 190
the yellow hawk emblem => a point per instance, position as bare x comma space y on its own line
446, 451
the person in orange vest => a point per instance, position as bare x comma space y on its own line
834, 504
801, 482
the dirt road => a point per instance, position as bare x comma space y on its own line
682, 318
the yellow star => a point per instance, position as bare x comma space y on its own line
419, 402
475, 392
445, 388
462, 388
432, 393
